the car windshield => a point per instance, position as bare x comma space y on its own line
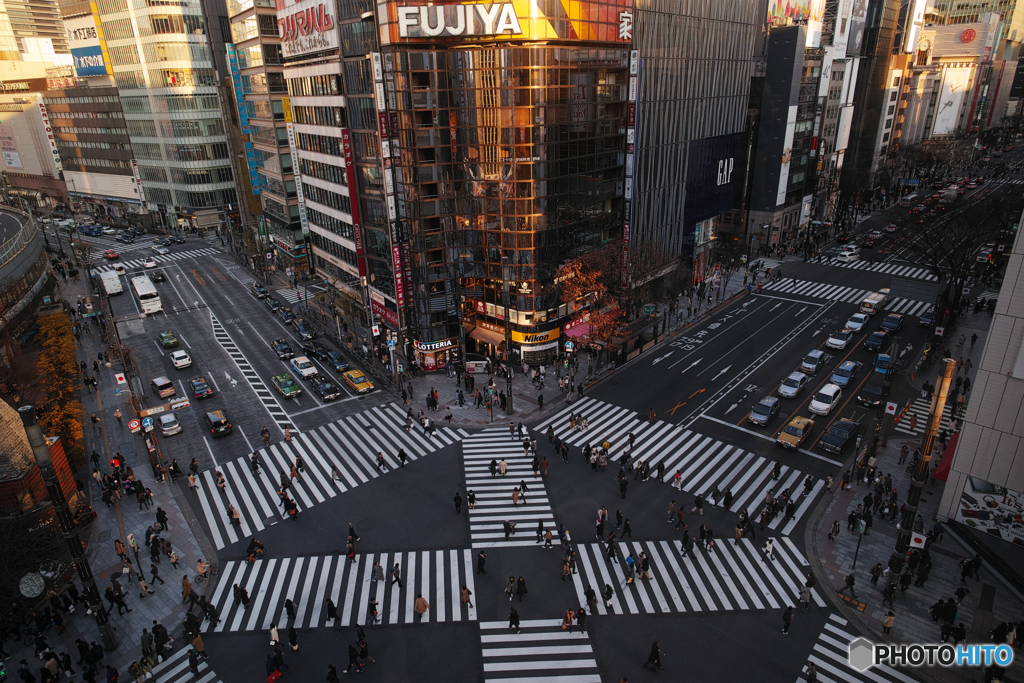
842, 334
882, 364
791, 382
843, 372
303, 364
822, 397
795, 431
761, 409
810, 360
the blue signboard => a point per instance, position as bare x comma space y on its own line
89, 61
250, 159
236, 82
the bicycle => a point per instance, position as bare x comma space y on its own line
211, 572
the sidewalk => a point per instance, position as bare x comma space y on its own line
116, 522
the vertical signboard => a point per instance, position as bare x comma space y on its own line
250, 160
85, 39
353, 195
236, 85
49, 137
296, 164
627, 211
138, 180
9, 146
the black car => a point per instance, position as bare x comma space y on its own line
282, 349
871, 394
840, 435
875, 341
217, 422
157, 276
200, 387
177, 240
315, 350
867, 242
337, 361
124, 239
927, 318
286, 315
273, 304
259, 291
303, 328
328, 390
892, 322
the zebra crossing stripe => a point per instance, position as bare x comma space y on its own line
174, 669
159, 258
830, 656
347, 446
310, 581
896, 269
277, 413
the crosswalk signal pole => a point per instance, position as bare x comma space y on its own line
921, 471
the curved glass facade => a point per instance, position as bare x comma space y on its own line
512, 161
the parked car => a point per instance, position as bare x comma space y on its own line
765, 411
795, 433
259, 291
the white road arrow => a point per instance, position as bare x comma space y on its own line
817, 331
730, 408
231, 379
721, 372
658, 360
800, 311
774, 307
693, 364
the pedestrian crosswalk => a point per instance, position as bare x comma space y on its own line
294, 294
831, 658
703, 462
850, 295
731, 577
159, 258
263, 393
494, 505
919, 408
309, 582
539, 651
887, 267
174, 669
349, 446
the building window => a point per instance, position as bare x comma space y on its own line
885, 137
896, 82
888, 124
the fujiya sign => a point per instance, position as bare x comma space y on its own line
458, 20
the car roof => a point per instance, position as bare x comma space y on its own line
796, 375
816, 352
848, 364
894, 315
161, 378
163, 418
179, 352
215, 415
800, 421
830, 388
769, 400
299, 359
859, 316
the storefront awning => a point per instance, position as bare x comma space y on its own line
483, 335
578, 331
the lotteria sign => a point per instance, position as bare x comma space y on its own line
458, 20
306, 26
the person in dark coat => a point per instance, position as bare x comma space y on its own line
353, 659
654, 659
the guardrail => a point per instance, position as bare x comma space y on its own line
13, 247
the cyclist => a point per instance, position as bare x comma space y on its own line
201, 569
265, 433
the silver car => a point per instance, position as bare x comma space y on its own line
793, 385
169, 424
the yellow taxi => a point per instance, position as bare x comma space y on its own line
795, 433
358, 381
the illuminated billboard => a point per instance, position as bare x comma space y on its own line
88, 49
528, 20
306, 26
799, 11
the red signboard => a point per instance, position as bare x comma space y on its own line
407, 262
396, 259
481, 307
386, 314
350, 169
631, 115
382, 123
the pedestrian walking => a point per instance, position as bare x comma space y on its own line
769, 549
568, 619
396, 575
654, 658
458, 503
513, 620
466, 596
293, 638
420, 607
787, 619
890, 619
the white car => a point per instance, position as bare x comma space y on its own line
148, 263
826, 399
793, 385
839, 339
304, 367
181, 359
848, 257
108, 231
163, 251
857, 322
169, 424
120, 269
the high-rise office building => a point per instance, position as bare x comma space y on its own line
165, 61
37, 26
450, 154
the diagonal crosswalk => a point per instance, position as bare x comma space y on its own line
349, 445
494, 504
831, 658
889, 268
309, 582
920, 408
703, 462
849, 295
174, 669
159, 258
732, 577
541, 651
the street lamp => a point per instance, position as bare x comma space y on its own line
505, 272
66, 524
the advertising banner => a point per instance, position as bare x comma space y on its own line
710, 176
947, 109
858, 25
350, 170
250, 160
49, 136
9, 147
236, 85
608, 22
87, 50
306, 26
808, 11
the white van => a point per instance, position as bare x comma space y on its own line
874, 302
908, 199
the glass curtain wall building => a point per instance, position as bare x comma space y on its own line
165, 74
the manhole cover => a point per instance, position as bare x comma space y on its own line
103, 535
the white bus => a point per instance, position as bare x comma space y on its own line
111, 282
148, 296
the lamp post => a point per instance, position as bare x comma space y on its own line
66, 524
505, 271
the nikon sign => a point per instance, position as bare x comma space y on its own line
450, 21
